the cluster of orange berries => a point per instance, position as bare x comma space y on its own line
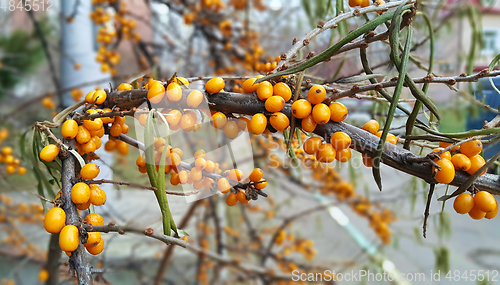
82, 195
213, 5
11, 215
482, 205
364, 3
6, 156
291, 244
373, 127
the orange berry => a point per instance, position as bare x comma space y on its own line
326, 153
231, 199
340, 140
223, 185
80, 193
311, 145
10, 169
97, 195
183, 176
391, 138
174, 92
258, 124
124, 87
321, 113
343, 155
94, 219
338, 112
93, 239
21, 170
219, 120
476, 213
199, 153
275, 104
249, 86
367, 161
256, 175
242, 198
476, 162
93, 125
231, 129
99, 97
83, 135
68, 238
243, 123
365, 3
115, 130
485, 201
279, 121
69, 129
492, 214
110, 145
301, 108
471, 148
445, 145
49, 153
308, 124
445, 155
174, 179
371, 126
463, 203
54, 220
316, 94
210, 166
142, 119
235, 175
89, 98
447, 172
173, 117
214, 85
194, 98
261, 185
265, 90
355, 3
89, 147
156, 92
89, 171
95, 250
283, 90
461, 161
181, 81
200, 163
187, 122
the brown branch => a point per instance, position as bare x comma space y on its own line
53, 257
168, 240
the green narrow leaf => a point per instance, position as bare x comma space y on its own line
494, 62
394, 39
368, 26
149, 151
78, 157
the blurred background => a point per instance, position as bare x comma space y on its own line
50, 58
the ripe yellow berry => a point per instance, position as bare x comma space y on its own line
316, 94
446, 144
492, 214
275, 104
265, 90
94, 219
89, 171
485, 201
182, 81
95, 250
187, 122
43, 275
321, 113
214, 85
471, 148
93, 239
326, 153
445, 155
461, 161
476, 162
83, 135
173, 117
283, 90
261, 185
235, 175
49, 153
194, 98
156, 92
463, 203
301, 108
10, 169
279, 121
219, 120
89, 98
99, 97
124, 87
476, 213
258, 124
343, 155
54, 220
231, 199
311, 145
80, 193
340, 140
93, 125
97, 195
110, 145
69, 129
447, 172
371, 126
21, 170
200, 163
223, 185
231, 129
256, 175
338, 112
174, 92
68, 238
249, 86
241, 197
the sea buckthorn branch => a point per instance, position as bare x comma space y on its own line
78, 260
170, 241
362, 141
333, 23
62, 147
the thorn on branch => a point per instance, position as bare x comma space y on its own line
148, 231
295, 40
321, 24
356, 12
306, 42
